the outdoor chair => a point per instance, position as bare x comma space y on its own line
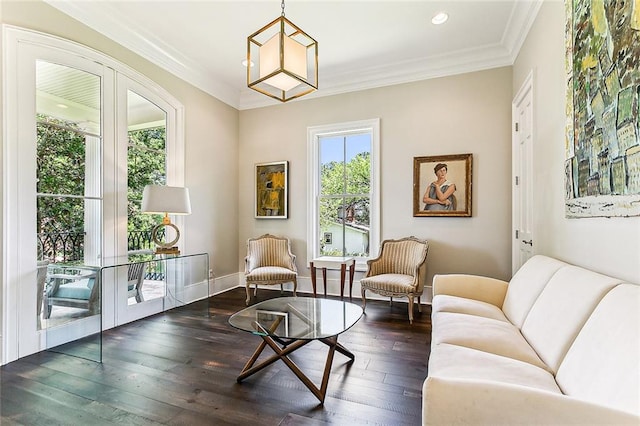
269, 261
135, 281
41, 278
399, 270
72, 287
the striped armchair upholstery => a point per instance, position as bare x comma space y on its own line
399, 270
269, 261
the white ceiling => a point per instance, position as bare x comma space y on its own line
362, 44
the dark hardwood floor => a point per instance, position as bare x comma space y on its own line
180, 368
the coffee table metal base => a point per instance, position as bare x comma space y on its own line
283, 348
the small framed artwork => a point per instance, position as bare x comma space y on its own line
442, 185
271, 197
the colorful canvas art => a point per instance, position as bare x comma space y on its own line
271, 197
603, 129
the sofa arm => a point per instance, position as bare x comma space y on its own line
484, 289
457, 401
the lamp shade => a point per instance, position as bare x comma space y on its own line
285, 58
295, 61
166, 199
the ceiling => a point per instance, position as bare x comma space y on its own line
362, 44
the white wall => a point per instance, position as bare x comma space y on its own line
469, 113
607, 245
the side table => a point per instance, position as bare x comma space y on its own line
333, 262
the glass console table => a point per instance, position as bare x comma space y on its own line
77, 297
286, 324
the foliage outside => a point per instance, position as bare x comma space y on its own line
61, 182
344, 196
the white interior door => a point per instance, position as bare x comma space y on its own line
523, 232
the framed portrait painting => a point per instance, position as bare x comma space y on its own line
271, 195
442, 185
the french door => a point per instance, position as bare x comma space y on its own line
68, 144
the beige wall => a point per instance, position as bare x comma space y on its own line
211, 136
608, 245
467, 113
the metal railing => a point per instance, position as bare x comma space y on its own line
69, 246
61, 246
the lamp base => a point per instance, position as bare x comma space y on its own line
167, 250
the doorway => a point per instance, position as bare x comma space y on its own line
522, 167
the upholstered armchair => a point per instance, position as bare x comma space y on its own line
399, 271
269, 261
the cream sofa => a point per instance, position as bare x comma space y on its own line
557, 345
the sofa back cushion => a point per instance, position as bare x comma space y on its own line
603, 363
526, 285
561, 310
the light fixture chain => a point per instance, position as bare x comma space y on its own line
282, 6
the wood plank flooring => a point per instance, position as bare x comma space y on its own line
180, 368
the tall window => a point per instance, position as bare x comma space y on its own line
344, 197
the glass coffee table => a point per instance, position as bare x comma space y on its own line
289, 323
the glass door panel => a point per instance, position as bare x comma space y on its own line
141, 291
68, 205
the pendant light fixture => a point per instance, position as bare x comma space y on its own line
282, 60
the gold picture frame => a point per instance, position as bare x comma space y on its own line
272, 190
454, 196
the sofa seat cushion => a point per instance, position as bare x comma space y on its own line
484, 334
265, 274
394, 283
458, 362
461, 305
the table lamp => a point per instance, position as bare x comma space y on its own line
166, 200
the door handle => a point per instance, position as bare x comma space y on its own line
530, 242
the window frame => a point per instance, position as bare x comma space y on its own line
314, 134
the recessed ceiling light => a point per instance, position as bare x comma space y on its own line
439, 18
244, 63
63, 106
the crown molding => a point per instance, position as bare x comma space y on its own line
124, 33
346, 80
520, 22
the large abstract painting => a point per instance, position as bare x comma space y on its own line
602, 168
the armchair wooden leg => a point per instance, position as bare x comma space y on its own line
295, 287
419, 305
410, 309
364, 299
248, 288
